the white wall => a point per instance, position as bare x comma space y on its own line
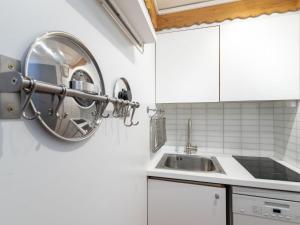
44, 181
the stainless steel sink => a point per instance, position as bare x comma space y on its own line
190, 163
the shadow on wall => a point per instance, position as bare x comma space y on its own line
94, 13
288, 132
45, 138
1, 140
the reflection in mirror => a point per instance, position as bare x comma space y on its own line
61, 59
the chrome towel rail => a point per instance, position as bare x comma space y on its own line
12, 82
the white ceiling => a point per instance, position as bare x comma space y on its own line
169, 6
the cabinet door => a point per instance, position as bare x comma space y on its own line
187, 66
260, 58
173, 203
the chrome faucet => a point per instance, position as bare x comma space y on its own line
189, 148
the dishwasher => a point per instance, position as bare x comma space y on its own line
251, 206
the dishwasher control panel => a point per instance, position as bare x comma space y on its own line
268, 208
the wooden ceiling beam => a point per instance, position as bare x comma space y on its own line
218, 13
229, 11
152, 11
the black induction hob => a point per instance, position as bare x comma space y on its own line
266, 168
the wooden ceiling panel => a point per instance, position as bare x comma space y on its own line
166, 4
218, 13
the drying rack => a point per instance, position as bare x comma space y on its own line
157, 129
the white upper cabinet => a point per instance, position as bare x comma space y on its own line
260, 58
187, 66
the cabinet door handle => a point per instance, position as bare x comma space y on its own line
217, 196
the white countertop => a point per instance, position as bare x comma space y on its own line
236, 174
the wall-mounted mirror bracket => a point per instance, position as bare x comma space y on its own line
10, 102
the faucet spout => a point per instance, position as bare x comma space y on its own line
189, 148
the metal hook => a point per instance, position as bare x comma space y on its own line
31, 91
117, 108
125, 109
114, 113
61, 99
125, 119
104, 105
132, 115
131, 123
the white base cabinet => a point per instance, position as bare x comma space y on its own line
174, 203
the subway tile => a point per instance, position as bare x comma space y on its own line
266, 123
184, 106
249, 128
237, 127
264, 134
235, 139
199, 132
266, 117
266, 147
214, 105
167, 106
267, 104
232, 122
266, 153
198, 111
214, 144
278, 104
214, 133
214, 122
250, 116
213, 150
232, 111
262, 128
249, 152
216, 139
232, 151
237, 145
199, 106
232, 105
266, 129
249, 105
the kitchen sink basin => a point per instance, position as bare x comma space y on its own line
190, 163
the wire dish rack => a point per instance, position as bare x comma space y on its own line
158, 136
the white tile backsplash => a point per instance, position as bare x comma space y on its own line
245, 128
232, 128
287, 132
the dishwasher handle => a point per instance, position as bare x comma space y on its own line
276, 205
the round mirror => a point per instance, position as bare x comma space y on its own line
59, 58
